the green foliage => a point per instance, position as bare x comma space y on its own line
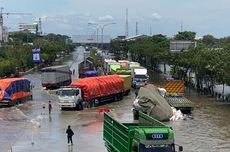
186, 35
96, 58
18, 52
210, 60
209, 40
6, 68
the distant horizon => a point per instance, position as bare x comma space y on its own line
70, 17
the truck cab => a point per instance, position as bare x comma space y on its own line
140, 80
139, 76
70, 98
147, 140
123, 134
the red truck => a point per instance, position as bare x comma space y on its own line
92, 91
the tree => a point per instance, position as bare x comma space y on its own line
186, 35
209, 40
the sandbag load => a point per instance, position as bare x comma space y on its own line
153, 104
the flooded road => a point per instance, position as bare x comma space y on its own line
29, 128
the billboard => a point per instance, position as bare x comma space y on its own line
179, 45
36, 55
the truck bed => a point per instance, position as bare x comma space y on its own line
115, 133
180, 102
120, 127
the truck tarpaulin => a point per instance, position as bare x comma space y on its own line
153, 103
95, 87
14, 88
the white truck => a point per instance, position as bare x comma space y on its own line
139, 76
56, 76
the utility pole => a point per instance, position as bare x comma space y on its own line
126, 24
181, 26
1, 25
137, 28
1, 21
150, 30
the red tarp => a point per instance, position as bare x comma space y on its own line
94, 87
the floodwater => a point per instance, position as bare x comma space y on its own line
29, 128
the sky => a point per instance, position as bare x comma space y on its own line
71, 17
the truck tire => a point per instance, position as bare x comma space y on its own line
115, 97
80, 106
96, 102
120, 96
31, 97
135, 114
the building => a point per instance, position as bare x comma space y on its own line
181, 45
91, 39
4, 35
136, 37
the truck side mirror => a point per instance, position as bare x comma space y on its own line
180, 148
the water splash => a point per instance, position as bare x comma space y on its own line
12, 114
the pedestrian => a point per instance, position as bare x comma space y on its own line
69, 133
136, 93
50, 107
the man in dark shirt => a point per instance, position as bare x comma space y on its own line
69, 133
50, 107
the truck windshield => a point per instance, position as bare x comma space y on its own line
68, 92
157, 148
140, 77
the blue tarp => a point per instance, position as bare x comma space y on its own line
90, 73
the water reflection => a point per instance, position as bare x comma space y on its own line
70, 148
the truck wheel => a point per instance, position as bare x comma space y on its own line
96, 102
80, 106
120, 96
31, 97
115, 98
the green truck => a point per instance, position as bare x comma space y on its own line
144, 135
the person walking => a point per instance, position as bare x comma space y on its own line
69, 133
50, 107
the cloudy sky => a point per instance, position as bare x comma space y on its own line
71, 17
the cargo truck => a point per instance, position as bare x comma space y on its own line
93, 91
124, 64
121, 72
106, 65
112, 66
139, 76
14, 91
133, 64
56, 76
175, 96
123, 134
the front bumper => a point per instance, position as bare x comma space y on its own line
66, 104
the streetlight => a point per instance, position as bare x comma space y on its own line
100, 26
97, 28
102, 32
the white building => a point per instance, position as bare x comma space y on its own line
4, 35
181, 45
